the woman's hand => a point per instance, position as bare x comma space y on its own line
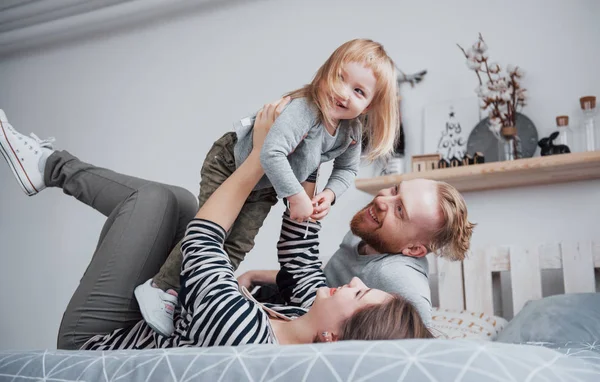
264, 120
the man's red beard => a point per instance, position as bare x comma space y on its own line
369, 235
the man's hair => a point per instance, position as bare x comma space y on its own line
393, 320
452, 239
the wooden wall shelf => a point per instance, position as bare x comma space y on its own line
495, 175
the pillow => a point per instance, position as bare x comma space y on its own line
560, 318
454, 324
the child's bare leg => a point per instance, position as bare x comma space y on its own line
310, 188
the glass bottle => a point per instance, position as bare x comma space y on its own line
589, 134
394, 164
566, 135
509, 145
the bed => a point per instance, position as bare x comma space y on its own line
552, 338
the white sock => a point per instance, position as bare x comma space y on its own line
45, 154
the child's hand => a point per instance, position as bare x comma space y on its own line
323, 201
300, 206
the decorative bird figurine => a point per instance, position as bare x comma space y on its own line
412, 79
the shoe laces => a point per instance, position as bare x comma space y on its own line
47, 143
168, 307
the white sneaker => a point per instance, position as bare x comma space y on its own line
157, 307
25, 156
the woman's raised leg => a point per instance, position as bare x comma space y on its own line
145, 220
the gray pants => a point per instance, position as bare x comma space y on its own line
144, 221
217, 167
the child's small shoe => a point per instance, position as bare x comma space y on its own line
26, 156
157, 307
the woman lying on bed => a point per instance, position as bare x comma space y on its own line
146, 219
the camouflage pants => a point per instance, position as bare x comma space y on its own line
218, 165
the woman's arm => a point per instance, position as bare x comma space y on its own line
224, 205
300, 273
215, 311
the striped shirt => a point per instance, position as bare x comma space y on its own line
214, 312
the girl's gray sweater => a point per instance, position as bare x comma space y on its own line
292, 149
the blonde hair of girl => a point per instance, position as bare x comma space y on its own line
381, 120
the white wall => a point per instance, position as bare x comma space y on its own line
150, 101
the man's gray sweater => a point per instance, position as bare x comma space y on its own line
393, 273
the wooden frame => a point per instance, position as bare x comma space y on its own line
467, 285
426, 162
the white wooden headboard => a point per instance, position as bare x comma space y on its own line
467, 285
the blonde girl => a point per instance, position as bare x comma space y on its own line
354, 93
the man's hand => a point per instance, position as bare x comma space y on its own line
250, 279
323, 202
300, 206
246, 280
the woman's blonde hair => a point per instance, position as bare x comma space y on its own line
381, 122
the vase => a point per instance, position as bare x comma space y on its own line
509, 144
484, 140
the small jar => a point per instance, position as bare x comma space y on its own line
509, 145
566, 135
589, 136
